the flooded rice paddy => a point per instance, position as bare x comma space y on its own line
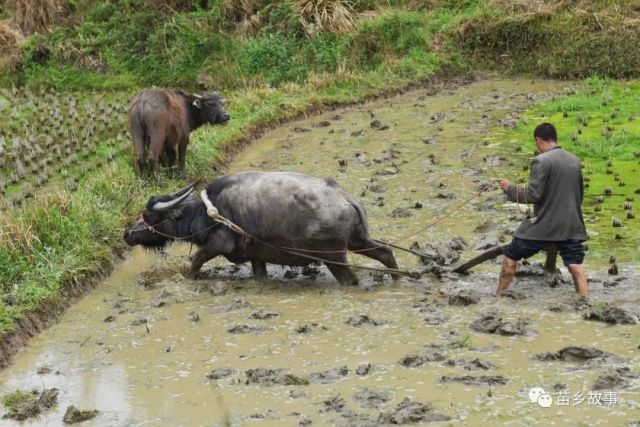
149, 347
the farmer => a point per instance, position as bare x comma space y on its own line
556, 191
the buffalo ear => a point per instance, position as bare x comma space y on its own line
196, 103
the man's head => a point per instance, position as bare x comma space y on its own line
546, 136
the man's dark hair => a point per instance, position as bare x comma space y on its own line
546, 132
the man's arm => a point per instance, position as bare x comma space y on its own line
581, 185
537, 184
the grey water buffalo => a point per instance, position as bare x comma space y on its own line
161, 120
283, 209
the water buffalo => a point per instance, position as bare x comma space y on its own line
281, 208
161, 121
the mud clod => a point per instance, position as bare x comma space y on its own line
415, 360
265, 314
238, 304
464, 298
471, 364
329, 376
246, 329
334, 404
75, 415
401, 213
270, 377
296, 394
220, 373
369, 399
514, 295
309, 327
493, 324
411, 412
443, 254
490, 380
616, 378
613, 315
364, 320
29, 405
363, 369
378, 125
572, 354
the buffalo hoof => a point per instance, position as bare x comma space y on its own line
194, 275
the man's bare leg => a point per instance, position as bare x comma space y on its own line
579, 279
506, 274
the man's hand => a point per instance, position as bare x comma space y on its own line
504, 184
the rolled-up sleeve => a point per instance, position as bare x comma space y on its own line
534, 192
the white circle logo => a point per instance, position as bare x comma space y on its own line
545, 401
535, 393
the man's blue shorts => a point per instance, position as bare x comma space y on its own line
571, 251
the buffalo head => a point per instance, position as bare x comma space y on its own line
158, 224
209, 109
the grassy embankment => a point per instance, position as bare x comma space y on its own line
273, 64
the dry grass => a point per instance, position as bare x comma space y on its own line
33, 16
10, 56
69, 52
239, 10
530, 6
243, 14
326, 16
173, 6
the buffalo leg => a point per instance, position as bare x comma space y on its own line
259, 269
140, 162
383, 254
203, 255
171, 156
343, 274
182, 153
155, 149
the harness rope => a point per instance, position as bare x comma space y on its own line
213, 213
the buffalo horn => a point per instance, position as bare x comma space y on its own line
184, 190
165, 206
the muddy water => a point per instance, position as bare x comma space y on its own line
140, 346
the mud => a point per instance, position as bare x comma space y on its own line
270, 377
492, 323
612, 315
616, 378
329, 376
367, 398
34, 405
220, 373
482, 380
75, 415
464, 298
411, 412
364, 320
415, 360
471, 364
126, 372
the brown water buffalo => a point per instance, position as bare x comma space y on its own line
161, 121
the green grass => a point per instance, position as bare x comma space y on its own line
600, 124
15, 398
